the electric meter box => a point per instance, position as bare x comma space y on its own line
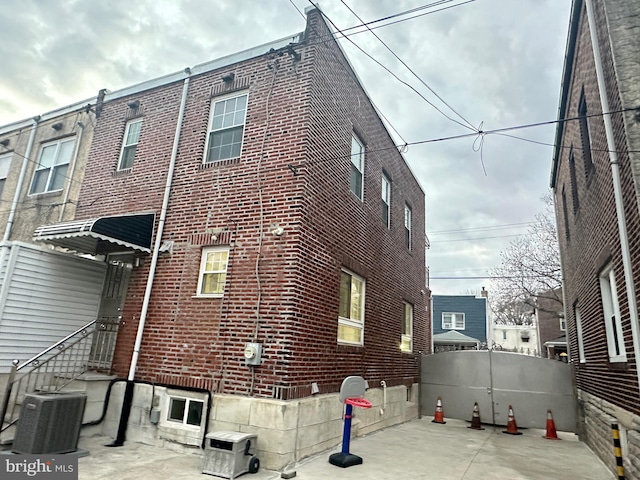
253, 354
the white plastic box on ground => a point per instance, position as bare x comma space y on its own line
230, 454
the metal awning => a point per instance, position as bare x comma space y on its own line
101, 235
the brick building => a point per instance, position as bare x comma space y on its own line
595, 179
288, 248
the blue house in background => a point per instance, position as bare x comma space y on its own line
459, 322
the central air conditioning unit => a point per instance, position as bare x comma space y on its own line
49, 423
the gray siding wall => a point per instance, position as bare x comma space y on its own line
44, 296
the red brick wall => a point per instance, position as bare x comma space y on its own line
304, 171
594, 238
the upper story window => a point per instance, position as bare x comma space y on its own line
563, 324
227, 128
565, 214
612, 318
406, 339
452, 321
351, 312
52, 166
581, 356
5, 162
386, 201
574, 182
585, 134
407, 225
130, 143
356, 182
213, 271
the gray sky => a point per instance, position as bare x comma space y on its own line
496, 62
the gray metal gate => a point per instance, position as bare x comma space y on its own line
496, 380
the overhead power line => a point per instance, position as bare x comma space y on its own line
387, 69
469, 125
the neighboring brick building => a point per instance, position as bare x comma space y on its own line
551, 325
595, 177
293, 232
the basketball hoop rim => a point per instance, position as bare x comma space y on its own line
358, 402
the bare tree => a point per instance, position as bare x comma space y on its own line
529, 272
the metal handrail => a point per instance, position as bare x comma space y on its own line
70, 366
55, 345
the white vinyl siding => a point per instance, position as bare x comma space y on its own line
45, 296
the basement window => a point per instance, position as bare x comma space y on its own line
185, 410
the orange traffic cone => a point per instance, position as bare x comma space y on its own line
439, 415
551, 428
512, 428
476, 424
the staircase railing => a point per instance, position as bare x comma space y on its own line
51, 370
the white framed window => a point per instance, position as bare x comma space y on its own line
226, 127
213, 271
406, 341
53, 163
452, 321
5, 163
356, 181
186, 411
563, 324
407, 225
612, 319
130, 144
581, 356
386, 201
351, 310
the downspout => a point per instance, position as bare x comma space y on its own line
128, 394
617, 189
16, 198
23, 172
73, 169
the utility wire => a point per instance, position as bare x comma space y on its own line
469, 125
392, 73
491, 227
478, 238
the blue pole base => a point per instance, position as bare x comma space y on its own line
344, 460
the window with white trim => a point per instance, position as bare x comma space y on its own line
386, 201
357, 168
406, 341
5, 162
612, 318
186, 411
563, 324
351, 310
452, 321
581, 356
407, 225
226, 128
213, 271
53, 163
130, 144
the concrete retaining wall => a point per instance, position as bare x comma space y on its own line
287, 430
596, 417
